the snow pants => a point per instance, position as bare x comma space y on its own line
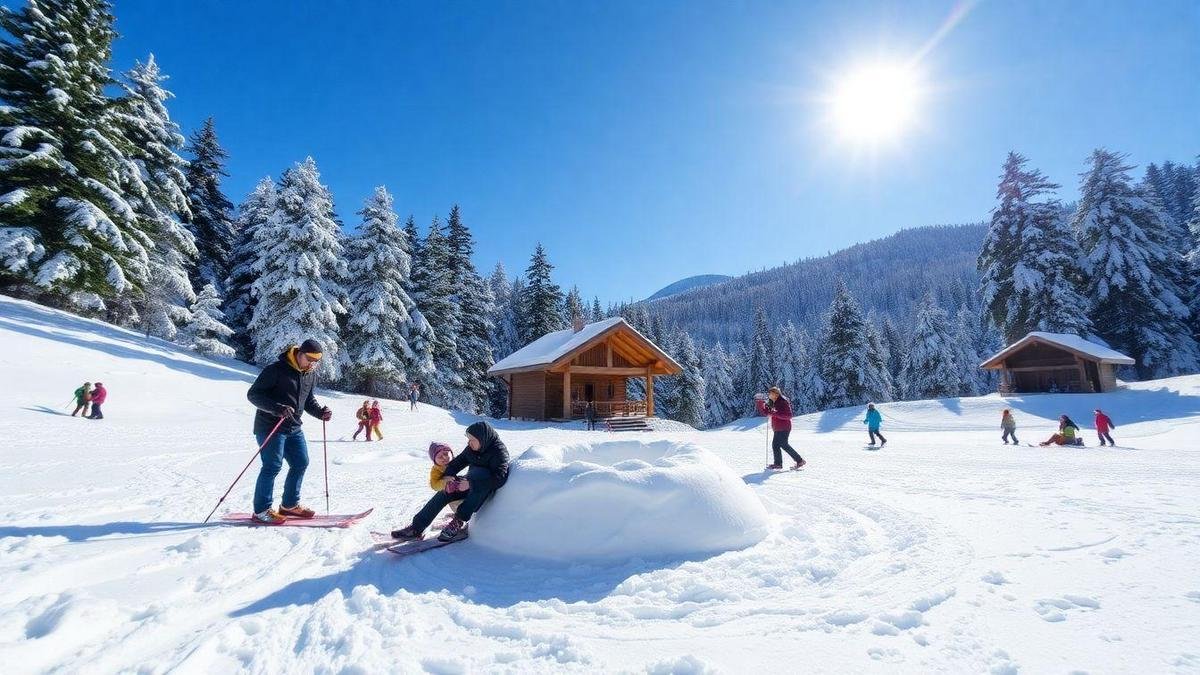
875, 432
96, 413
483, 486
361, 426
779, 442
290, 446
82, 407
1010, 432
1104, 435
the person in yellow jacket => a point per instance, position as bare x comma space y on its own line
364, 420
441, 454
375, 418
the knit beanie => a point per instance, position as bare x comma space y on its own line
436, 447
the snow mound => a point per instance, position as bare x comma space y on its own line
619, 500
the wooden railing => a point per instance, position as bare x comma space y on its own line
610, 408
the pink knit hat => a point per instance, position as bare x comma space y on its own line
436, 447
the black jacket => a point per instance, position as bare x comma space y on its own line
280, 384
492, 454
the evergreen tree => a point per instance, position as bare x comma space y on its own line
212, 221
788, 354
541, 300
597, 312
851, 369
931, 369
966, 340
380, 323
255, 213
142, 115
1131, 271
894, 343
720, 402
300, 271
434, 293
475, 303
573, 307
1029, 278
504, 340
690, 403
810, 388
763, 366
205, 332
68, 227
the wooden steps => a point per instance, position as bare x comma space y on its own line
626, 424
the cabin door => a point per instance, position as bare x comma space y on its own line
589, 392
1093, 375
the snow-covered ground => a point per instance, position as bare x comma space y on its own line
945, 551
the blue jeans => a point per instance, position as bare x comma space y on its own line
290, 446
483, 486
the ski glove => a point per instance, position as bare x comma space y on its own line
286, 410
326, 413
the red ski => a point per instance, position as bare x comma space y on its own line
334, 520
414, 546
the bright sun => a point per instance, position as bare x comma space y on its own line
876, 103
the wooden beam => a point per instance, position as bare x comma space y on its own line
601, 370
649, 392
509, 381
567, 393
608, 350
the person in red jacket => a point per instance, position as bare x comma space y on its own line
99, 395
375, 418
1103, 424
779, 409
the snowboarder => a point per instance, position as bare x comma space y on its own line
413, 392
589, 413
486, 461
284, 390
363, 415
779, 409
873, 420
1009, 426
83, 399
1066, 433
375, 418
99, 396
1103, 424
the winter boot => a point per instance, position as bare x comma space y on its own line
297, 511
455, 531
799, 465
410, 532
269, 517
774, 467
882, 443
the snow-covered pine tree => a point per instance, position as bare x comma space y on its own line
255, 212
475, 304
542, 299
877, 362
764, 366
895, 344
1183, 189
68, 229
666, 388
1193, 259
966, 339
141, 113
719, 396
597, 313
1029, 278
377, 329
810, 388
931, 367
573, 307
788, 357
300, 271
1131, 271
690, 391
434, 293
504, 340
853, 374
205, 332
212, 221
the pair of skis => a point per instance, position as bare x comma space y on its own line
383, 540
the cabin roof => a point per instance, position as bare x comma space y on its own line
1072, 343
560, 345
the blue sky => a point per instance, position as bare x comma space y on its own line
643, 142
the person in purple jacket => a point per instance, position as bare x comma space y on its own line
779, 409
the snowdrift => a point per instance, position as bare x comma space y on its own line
619, 500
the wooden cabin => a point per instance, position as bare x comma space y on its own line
1056, 362
555, 376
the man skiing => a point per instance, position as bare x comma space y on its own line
779, 409
486, 462
1103, 424
99, 396
284, 390
873, 421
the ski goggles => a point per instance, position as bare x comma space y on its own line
314, 356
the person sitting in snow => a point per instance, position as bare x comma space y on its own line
1009, 426
1103, 424
873, 421
282, 391
363, 415
99, 396
375, 418
779, 409
1066, 432
441, 454
486, 461
83, 398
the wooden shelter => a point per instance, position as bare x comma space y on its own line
1056, 362
555, 376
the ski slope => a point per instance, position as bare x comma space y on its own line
944, 552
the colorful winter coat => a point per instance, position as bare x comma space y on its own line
375, 416
1104, 423
873, 419
438, 478
363, 414
279, 384
82, 395
99, 394
1068, 431
780, 413
1008, 423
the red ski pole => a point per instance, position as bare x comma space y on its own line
239, 476
325, 451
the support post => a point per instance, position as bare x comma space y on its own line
608, 346
649, 392
508, 380
567, 393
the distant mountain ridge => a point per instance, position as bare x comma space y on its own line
888, 276
690, 283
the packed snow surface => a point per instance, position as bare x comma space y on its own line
945, 552
618, 500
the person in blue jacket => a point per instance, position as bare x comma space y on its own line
873, 420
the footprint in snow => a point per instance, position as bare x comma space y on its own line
1053, 609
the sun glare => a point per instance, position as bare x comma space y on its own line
875, 103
